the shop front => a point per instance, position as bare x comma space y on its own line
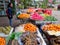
3, 6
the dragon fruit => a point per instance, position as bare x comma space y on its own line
49, 12
36, 16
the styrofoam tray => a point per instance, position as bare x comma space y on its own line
51, 32
39, 34
57, 33
4, 35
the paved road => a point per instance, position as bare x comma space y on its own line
5, 21
57, 15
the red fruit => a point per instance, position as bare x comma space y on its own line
36, 16
48, 12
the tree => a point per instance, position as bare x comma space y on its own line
54, 1
44, 4
26, 3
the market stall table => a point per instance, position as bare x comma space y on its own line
44, 22
50, 38
52, 32
20, 28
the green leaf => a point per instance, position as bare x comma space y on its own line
10, 37
14, 35
17, 35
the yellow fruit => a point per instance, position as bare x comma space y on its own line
24, 16
30, 27
54, 27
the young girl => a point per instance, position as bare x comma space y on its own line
9, 13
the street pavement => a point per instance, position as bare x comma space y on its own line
4, 21
56, 14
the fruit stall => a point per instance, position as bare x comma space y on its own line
37, 24
52, 32
28, 32
23, 34
38, 14
47, 21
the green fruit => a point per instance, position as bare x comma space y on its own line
8, 28
43, 15
50, 18
5, 31
0, 29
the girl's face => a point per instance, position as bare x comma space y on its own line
11, 5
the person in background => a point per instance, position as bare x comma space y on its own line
9, 13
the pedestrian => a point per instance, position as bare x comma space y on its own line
9, 13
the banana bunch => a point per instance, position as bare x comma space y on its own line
5, 30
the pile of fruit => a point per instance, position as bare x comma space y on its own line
2, 41
43, 15
5, 30
31, 10
36, 16
50, 27
24, 16
50, 18
48, 11
30, 27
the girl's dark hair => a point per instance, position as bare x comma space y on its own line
9, 5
